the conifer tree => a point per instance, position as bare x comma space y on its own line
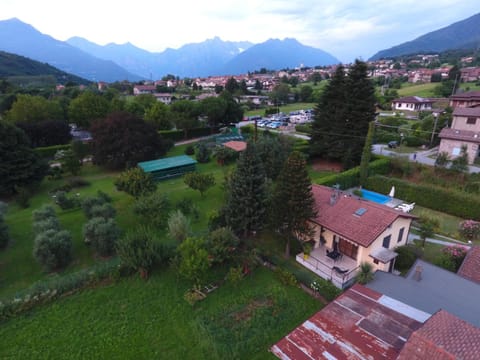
246, 194
367, 154
328, 125
360, 111
293, 202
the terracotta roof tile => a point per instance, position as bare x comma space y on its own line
470, 268
236, 145
443, 337
464, 135
460, 111
341, 218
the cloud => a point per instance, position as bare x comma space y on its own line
345, 28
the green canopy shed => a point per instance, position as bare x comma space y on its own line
166, 168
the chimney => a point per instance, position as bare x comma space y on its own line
418, 273
333, 198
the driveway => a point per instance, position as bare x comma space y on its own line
423, 157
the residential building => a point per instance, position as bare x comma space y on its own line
358, 230
412, 103
144, 89
465, 100
165, 98
465, 131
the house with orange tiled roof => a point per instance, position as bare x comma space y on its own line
350, 231
443, 337
470, 268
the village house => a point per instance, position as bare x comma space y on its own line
465, 131
412, 103
144, 89
350, 231
465, 100
165, 98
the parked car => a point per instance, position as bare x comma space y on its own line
393, 144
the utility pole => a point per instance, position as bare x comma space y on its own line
434, 128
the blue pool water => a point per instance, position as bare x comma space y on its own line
375, 197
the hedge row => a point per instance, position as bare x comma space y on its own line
49, 151
179, 135
351, 178
48, 290
453, 202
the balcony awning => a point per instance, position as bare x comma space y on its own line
383, 255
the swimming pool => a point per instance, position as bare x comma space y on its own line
375, 197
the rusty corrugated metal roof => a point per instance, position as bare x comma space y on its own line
356, 325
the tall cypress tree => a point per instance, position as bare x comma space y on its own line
293, 202
247, 194
360, 111
327, 139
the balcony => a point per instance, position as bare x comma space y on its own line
341, 271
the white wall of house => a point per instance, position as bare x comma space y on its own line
412, 106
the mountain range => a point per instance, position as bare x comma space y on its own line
113, 62
16, 65
463, 34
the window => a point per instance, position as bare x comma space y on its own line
400, 234
386, 241
375, 261
456, 151
471, 121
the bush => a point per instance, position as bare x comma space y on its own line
286, 277
460, 204
102, 234
77, 182
469, 229
48, 152
105, 210
307, 129
203, 154
138, 251
47, 290
325, 288
190, 150
199, 181
65, 202
194, 260
23, 197
88, 203
45, 212
153, 209
136, 182
407, 255
221, 244
365, 274
178, 226
46, 224
456, 254
53, 249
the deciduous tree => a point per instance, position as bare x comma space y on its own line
199, 181
136, 182
20, 166
86, 108
122, 140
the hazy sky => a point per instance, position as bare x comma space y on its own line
347, 29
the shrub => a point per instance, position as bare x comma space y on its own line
105, 210
285, 276
469, 229
136, 182
102, 234
88, 203
53, 249
153, 209
178, 226
138, 251
325, 288
194, 261
46, 224
65, 202
23, 197
77, 182
365, 274
221, 244
203, 154
407, 255
45, 212
199, 181
104, 196
456, 253
190, 150
185, 205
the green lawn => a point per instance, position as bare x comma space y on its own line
423, 90
448, 223
134, 319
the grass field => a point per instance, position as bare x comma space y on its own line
422, 90
134, 319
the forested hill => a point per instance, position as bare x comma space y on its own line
12, 65
464, 34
